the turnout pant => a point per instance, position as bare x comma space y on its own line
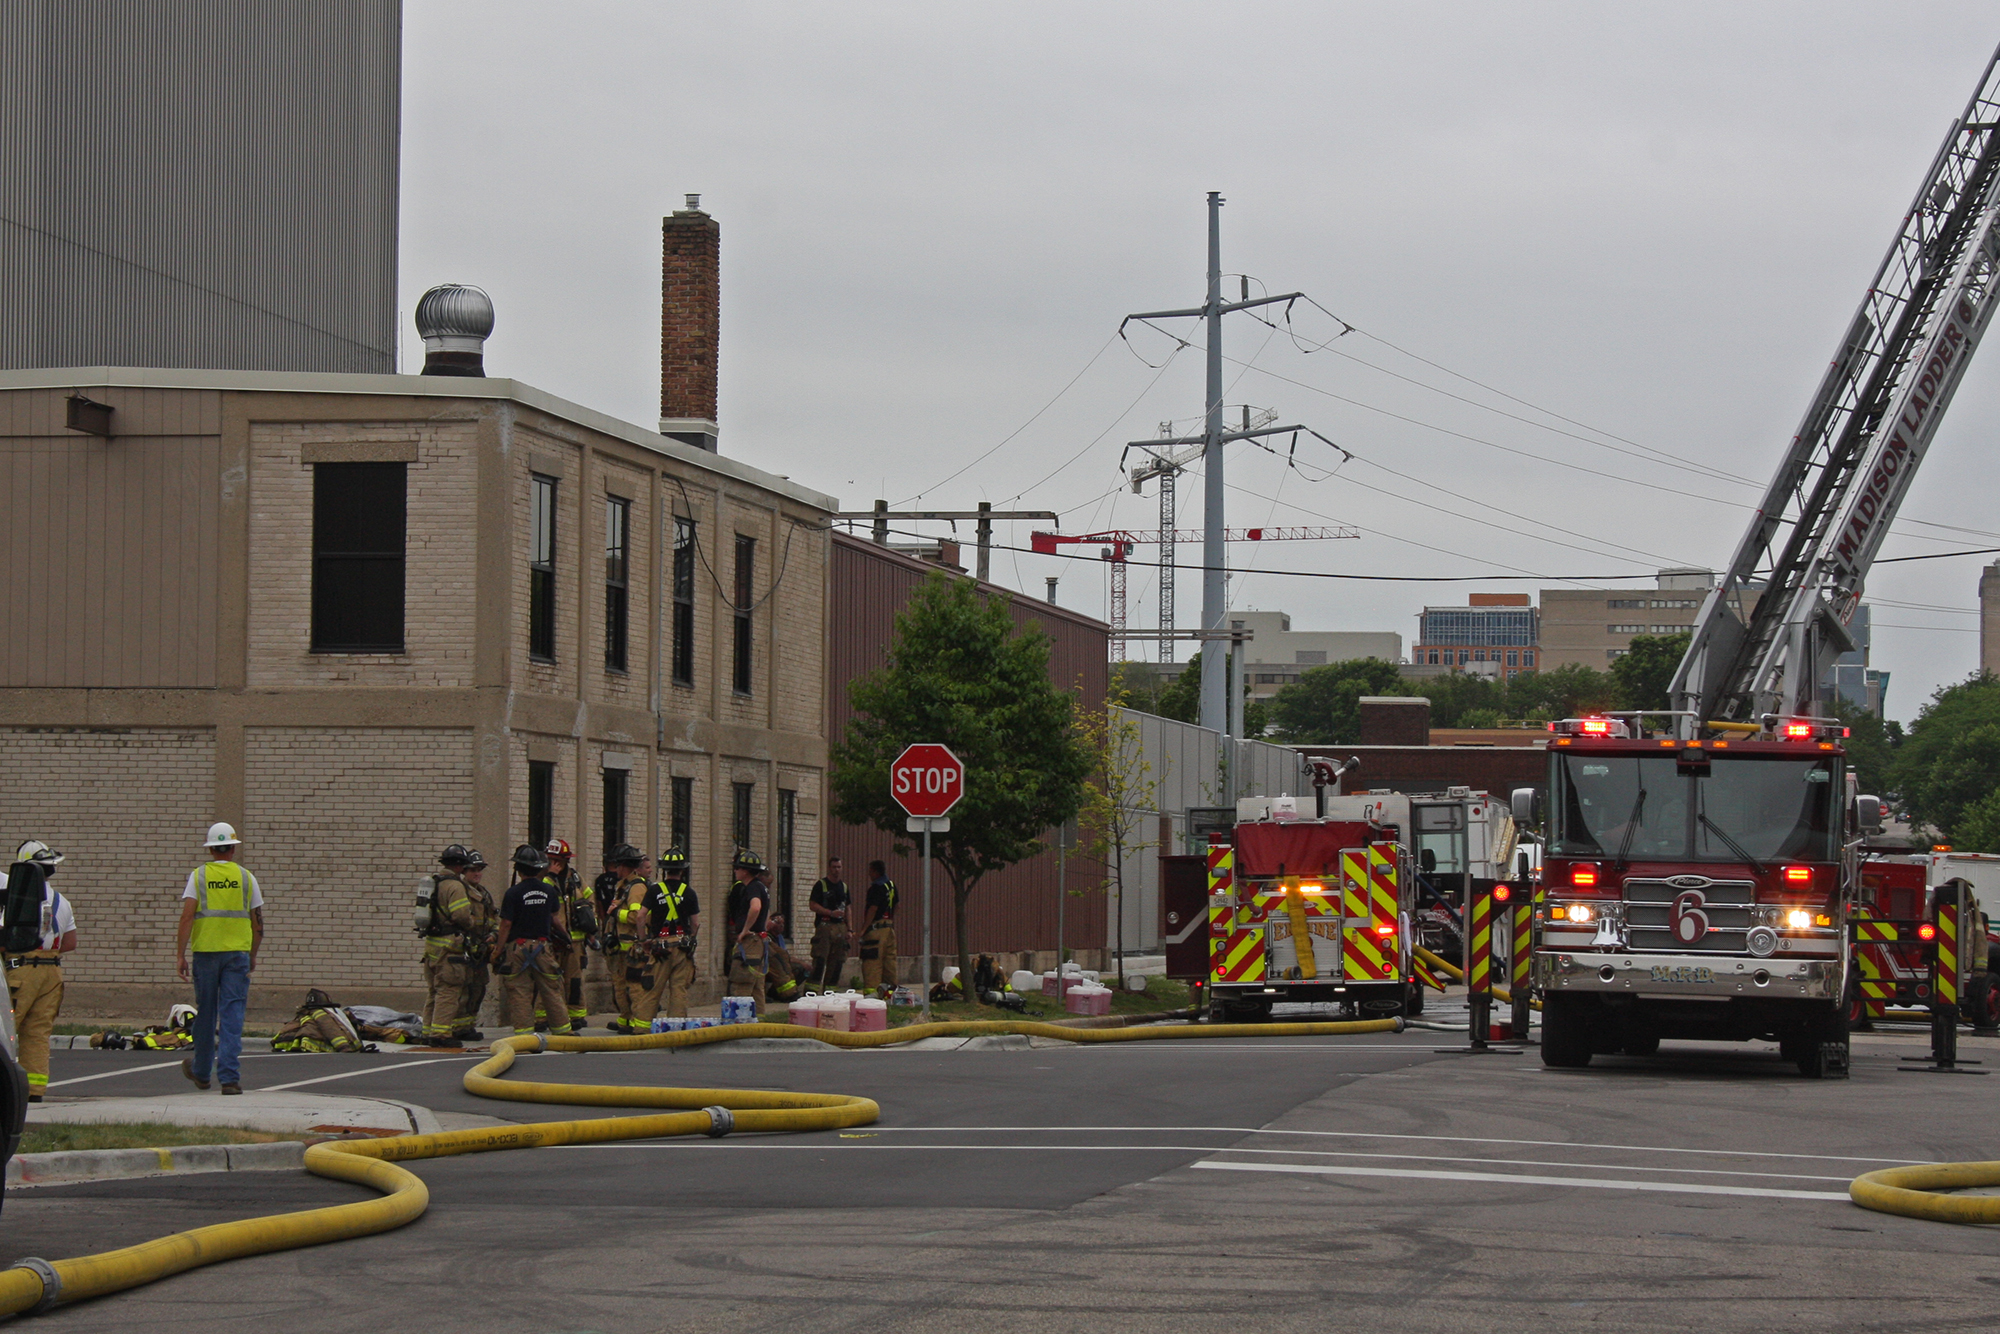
35, 989
573, 966
785, 976
534, 978
444, 981
747, 964
631, 980
829, 952
878, 956
471, 999
672, 976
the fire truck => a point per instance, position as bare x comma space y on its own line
1894, 927
1700, 879
1308, 909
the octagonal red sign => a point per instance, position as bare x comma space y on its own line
927, 780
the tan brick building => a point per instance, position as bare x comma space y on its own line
476, 546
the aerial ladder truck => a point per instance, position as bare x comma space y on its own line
1702, 875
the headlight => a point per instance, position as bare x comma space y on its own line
1798, 919
1572, 912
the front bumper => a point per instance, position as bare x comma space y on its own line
1688, 977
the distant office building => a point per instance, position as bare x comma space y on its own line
1594, 626
1854, 681
1494, 634
1276, 654
207, 184
1989, 619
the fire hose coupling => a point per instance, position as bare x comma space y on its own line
720, 1122
51, 1282
542, 1042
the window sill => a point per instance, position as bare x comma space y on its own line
398, 652
537, 661
617, 671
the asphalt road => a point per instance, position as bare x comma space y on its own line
1270, 1184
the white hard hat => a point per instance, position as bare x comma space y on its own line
34, 850
221, 835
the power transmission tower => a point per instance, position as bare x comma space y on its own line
1214, 585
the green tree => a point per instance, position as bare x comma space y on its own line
1567, 691
1951, 760
962, 674
1180, 698
1641, 675
1117, 803
1320, 707
1871, 746
1454, 697
1978, 828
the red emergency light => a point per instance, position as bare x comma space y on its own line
1798, 731
1798, 875
1597, 727
1926, 932
1385, 930
1584, 876
1501, 893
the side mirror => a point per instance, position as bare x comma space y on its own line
1525, 804
1868, 813
1521, 867
1427, 861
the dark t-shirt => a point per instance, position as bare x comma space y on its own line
831, 895
740, 899
530, 910
656, 907
882, 898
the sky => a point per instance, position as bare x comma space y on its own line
1594, 260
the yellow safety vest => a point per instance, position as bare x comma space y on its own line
221, 910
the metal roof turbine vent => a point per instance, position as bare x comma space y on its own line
454, 321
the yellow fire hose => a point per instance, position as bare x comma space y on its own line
1456, 974
37, 1285
1911, 1192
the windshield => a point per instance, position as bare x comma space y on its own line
1748, 808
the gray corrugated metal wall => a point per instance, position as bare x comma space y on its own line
200, 183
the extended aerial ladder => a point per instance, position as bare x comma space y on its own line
1822, 520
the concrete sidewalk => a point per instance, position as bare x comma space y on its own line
277, 1112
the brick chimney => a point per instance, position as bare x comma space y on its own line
690, 321
1394, 720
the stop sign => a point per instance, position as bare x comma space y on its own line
927, 780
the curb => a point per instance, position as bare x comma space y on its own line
76, 1165
81, 1042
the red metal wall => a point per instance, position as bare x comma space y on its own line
1012, 910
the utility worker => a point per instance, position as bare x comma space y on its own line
447, 933
478, 947
530, 917
878, 931
829, 903
35, 947
676, 931
580, 910
222, 918
748, 913
628, 948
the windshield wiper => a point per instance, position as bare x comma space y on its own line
1734, 846
1631, 829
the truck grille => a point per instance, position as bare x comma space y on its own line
1649, 913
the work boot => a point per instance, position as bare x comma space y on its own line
447, 1041
34, 1097
576, 1025
469, 1035
232, 1088
187, 1068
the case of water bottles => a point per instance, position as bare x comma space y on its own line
665, 1024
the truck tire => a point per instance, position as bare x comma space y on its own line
1566, 1033
1641, 1042
1823, 1050
1858, 1018
1982, 1003
1245, 1011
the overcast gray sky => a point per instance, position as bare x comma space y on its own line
1651, 219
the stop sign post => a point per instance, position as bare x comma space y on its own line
927, 780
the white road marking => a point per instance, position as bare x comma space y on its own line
356, 1074
1518, 1179
1367, 1134
109, 1074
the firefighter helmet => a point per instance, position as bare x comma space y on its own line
531, 859
38, 852
180, 1016
625, 855
673, 857
455, 855
746, 860
558, 850
475, 860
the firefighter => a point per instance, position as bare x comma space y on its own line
785, 974
829, 902
526, 950
878, 931
748, 913
34, 960
447, 932
676, 927
580, 912
478, 947
628, 942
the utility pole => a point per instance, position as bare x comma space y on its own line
1214, 579
984, 516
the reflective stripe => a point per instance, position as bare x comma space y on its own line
221, 910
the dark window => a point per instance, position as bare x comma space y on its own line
542, 567
617, 579
741, 794
788, 819
683, 601
683, 815
746, 566
617, 782
357, 590
541, 801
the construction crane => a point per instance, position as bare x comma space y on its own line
1165, 462
1843, 479
1118, 544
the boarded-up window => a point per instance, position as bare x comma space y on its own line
358, 532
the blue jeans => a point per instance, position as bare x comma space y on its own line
221, 989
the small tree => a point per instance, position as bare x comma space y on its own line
1119, 796
1643, 673
962, 674
1321, 706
